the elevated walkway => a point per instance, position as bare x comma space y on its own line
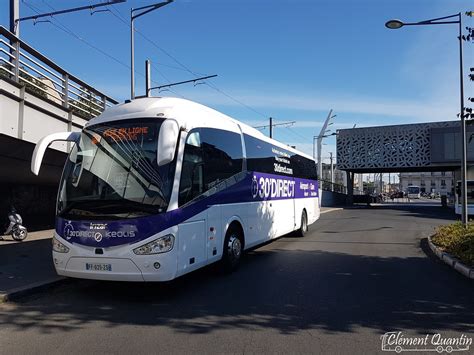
423, 147
420, 147
37, 98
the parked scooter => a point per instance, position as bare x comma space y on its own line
15, 227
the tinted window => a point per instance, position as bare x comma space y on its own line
267, 158
304, 168
259, 155
222, 154
210, 157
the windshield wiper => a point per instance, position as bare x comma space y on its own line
109, 208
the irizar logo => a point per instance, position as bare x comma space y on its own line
267, 187
98, 237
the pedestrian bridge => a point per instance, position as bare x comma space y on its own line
434, 146
421, 147
37, 98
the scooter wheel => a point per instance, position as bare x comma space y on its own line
20, 234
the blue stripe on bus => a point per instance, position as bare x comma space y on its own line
253, 186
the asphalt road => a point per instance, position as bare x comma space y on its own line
358, 274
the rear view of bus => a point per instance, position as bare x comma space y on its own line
159, 187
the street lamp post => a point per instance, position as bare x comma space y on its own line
396, 24
133, 15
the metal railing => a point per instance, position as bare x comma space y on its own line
329, 186
339, 188
41, 76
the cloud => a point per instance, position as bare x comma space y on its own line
435, 109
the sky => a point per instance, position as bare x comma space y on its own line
293, 60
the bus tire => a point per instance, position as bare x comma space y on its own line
233, 249
304, 225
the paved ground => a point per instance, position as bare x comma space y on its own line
25, 264
357, 275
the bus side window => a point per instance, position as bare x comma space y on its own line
191, 184
210, 156
222, 155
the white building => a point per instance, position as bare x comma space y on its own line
428, 182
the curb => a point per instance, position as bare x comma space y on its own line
451, 261
331, 210
16, 293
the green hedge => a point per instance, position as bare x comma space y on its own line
457, 241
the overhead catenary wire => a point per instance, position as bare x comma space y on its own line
65, 29
117, 15
59, 25
184, 67
300, 136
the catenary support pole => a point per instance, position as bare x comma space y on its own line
148, 78
14, 16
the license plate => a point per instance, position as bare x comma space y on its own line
98, 267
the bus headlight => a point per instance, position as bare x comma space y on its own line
160, 245
59, 247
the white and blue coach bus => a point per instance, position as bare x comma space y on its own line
158, 187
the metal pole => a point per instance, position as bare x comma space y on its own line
14, 16
381, 183
15, 29
320, 163
332, 172
148, 78
132, 58
463, 132
271, 127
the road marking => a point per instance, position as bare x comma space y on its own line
331, 210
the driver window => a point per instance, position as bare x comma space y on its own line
191, 184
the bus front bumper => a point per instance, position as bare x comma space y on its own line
111, 268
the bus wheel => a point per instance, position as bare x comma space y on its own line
233, 248
304, 225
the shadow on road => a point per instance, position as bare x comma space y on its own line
273, 290
23, 263
421, 211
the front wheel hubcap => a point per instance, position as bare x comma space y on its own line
234, 247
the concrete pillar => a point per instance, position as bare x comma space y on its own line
350, 188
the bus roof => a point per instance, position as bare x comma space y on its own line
187, 113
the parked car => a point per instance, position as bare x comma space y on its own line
397, 194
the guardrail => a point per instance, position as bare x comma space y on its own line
333, 187
329, 186
41, 76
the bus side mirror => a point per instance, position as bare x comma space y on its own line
167, 140
44, 143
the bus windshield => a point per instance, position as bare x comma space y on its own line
112, 173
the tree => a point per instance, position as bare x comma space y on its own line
86, 105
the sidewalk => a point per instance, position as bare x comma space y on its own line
26, 266
330, 209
